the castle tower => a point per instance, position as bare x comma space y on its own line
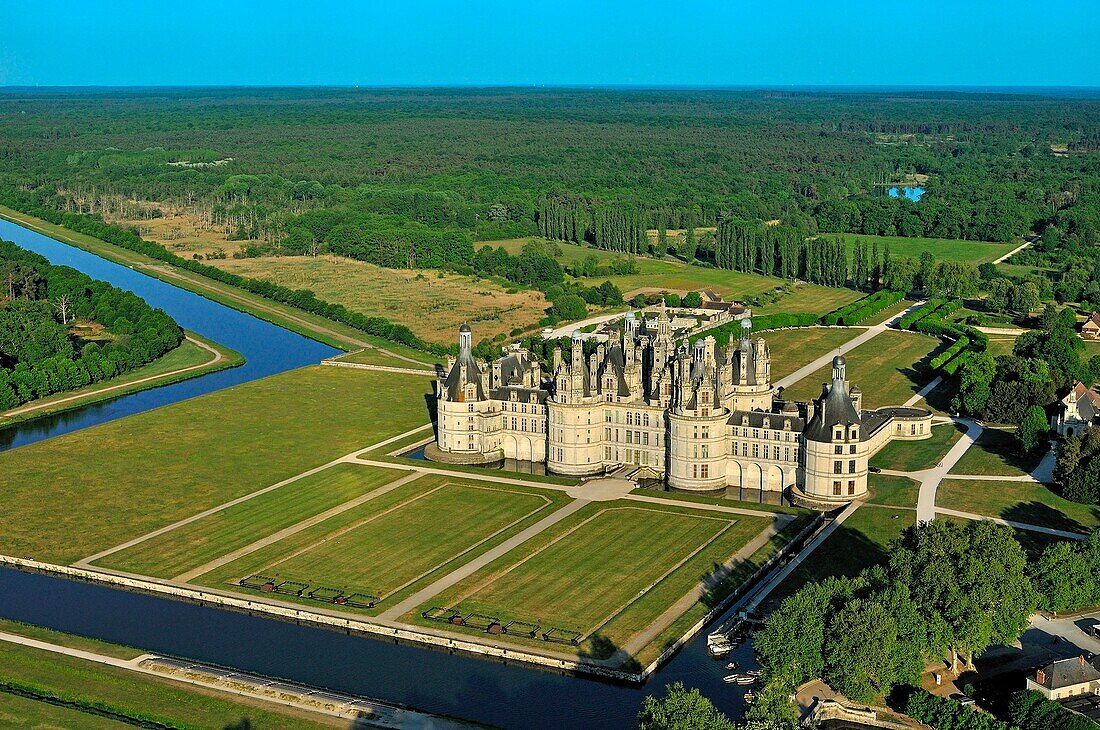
835, 453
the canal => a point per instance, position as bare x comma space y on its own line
433, 680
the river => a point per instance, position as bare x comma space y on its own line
453, 684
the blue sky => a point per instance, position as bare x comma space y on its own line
419, 42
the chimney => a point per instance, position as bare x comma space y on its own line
1081, 659
1040, 677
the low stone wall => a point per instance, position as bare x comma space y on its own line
834, 710
432, 452
383, 368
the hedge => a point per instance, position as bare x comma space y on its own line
859, 310
923, 311
947, 714
1030, 710
730, 330
940, 360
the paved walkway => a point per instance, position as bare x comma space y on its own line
812, 367
567, 330
52, 403
1012, 523
923, 392
481, 561
930, 478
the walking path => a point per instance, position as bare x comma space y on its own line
757, 598
812, 367
382, 368
1012, 523
566, 330
1030, 240
930, 478
923, 392
53, 403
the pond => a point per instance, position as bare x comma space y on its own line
912, 192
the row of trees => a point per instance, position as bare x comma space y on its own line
38, 354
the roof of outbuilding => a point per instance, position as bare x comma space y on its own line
1067, 673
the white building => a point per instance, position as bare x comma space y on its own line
704, 418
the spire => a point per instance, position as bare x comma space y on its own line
838, 371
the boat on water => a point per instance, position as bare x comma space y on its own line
731, 665
731, 678
749, 697
719, 650
754, 672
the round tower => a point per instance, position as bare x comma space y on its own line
835, 452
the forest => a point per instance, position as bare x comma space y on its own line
61, 329
358, 170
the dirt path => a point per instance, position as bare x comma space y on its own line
218, 357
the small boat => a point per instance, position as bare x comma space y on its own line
719, 650
754, 672
744, 679
731, 678
749, 697
731, 665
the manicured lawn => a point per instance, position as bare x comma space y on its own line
810, 298
860, 542
944, 249
793, 348
887, 314
388, 357
996, 453
394, 543
72, 641
390, 549
74, 495
893, 491
20, 712
885, 368
594, 573
132, 694
1028, 502
201, 541
917, 455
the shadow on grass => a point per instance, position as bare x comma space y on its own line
1043, 515
600, 647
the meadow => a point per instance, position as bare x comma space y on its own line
887, 368
431, 303
944, 249
792, 348
77, 494
996, 453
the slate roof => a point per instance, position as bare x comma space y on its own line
775, 420
1088, 402
1067, 673
833, 408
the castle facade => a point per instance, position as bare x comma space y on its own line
702, 418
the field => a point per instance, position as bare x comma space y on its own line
605, 573
64, 501
431, 303
1025, 502
793, 348
860, 542
675, 276
917, 455
390, 358
996, 453
944, 249
884, 367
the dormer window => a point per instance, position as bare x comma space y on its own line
787, 427
853, 433
838, 434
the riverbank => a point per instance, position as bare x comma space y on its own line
309, 325
196, 356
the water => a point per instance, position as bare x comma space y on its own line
913, 192
433, 680
512, 465
267, 348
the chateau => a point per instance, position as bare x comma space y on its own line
702, 418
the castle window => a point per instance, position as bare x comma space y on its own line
838, 449
607, 434
694, 471
646, 418
745, 449
756, 451
706, 412
756, 433
912, 429
787, 426
645, 439
838, 467
607, 416
706, 451
706, 432
637, 419
767, 423
851, 487
607, 453
629, 418
836, 489
838, 435
786, 454
852, 466
853, 432
852, 449
629, 436
704, 471
745, 422
471, 408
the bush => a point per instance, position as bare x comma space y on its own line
947, 714
1029, 710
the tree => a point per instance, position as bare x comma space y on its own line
1032, 431
688, 247
681, 709
861, 637
569, 307
975, 382
672, 300
997, 299
901, 274
693, 300
1025, 298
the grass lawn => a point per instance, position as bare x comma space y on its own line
187, 355
129, 693
893, 491
944, 249
887, 314
860, 542
1026, 502
203, 540
916, 455
73, 641
606, 572
793, 348
431, 303
885, 368
391, 545
996, 453
21, 712
999, 345
85, 491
